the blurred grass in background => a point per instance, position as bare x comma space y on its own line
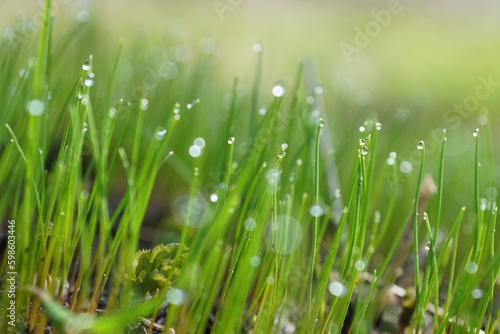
427, 59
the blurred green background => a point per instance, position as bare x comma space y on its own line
425, 67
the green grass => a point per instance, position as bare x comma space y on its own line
294, 219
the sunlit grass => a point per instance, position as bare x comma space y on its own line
290, 225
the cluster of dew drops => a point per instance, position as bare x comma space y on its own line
363, 143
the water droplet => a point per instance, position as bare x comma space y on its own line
337, 193
482, 120
84, 194
360, 265
196, 171
83, 16
9, 34
214, 198
200, 142
85, 127
278, 91
160, 133
255, 261
168, 71
91, 75
318, 90
257, 47
420, 145
337, 289
477, 293
270, 280
176, 296
32, 62
316, 211
194, 151
112, 113
177, 117
471, 267
427, 245
362, 142
273, 176
250, 224
425, 216
63, 213
475, 133
35, 107
262, 111
378, 126
88, 82
85, 99
86, 65
183, 53
484, 204
445, 138
315, 113
207, 45
144, 104
321, 122
299, 162
491, 193
364, 150
283, 235
282, 151
362, 129
192, 103
310, 100
405, 167
24, 73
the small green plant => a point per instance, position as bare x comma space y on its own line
157, 268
